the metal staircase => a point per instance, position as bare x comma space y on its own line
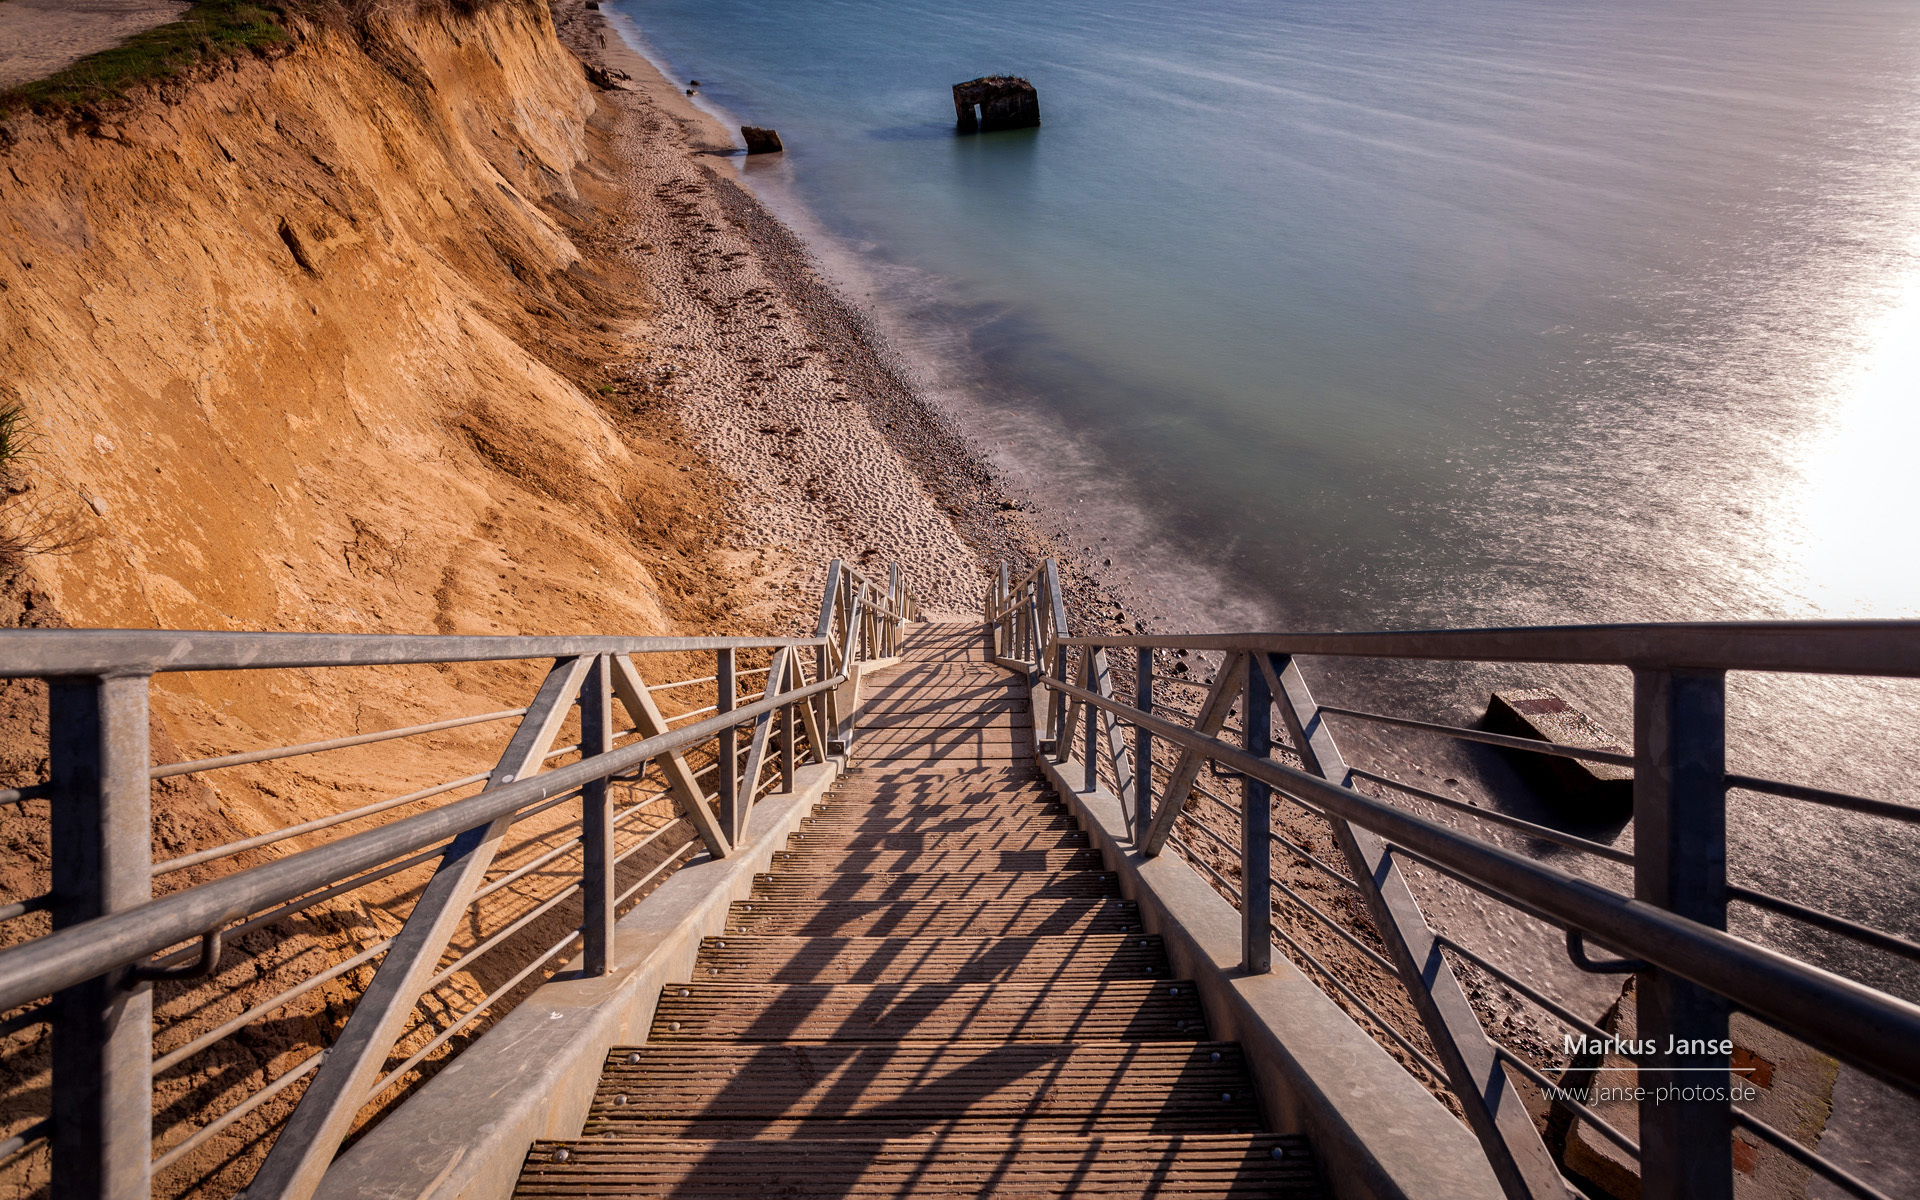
938, 992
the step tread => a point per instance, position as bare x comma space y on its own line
919, 1081
948, 959
1188, 1165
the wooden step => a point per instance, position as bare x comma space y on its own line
939, 821
744, 959
1187, 1165
959, 787
927, 1082
1133, 1010
845, 803
1042, 916
995, 775
850, 841
971, 753
952, 888
913, 862
887, 739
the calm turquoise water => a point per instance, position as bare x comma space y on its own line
1384, 313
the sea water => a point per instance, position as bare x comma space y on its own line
1392, 314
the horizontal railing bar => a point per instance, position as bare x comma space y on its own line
1543, 832
303, 903
313, 826
680, 683
1887, 648
22, 1020
1433, 1068
1825, 1168
27, 653
38, 1131
237, 1111
1193, 857
1586, 1114
1373, 956
349, 885
1880, 939
467, 1017
663, 864
1308, 855
1559, 749
1795, 791
208, 1039
1553, 1006
527, 868
515, 926
182, 1053
1877, 1032
695, 713
340, 743
1217, 840
20, 908
653, 836
67, 956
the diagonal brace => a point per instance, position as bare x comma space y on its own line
339, 1089
631, 690
1519, 1158
1227, 686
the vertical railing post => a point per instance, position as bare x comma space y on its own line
596, 819
896, 600
1001, 595
1057, 707
1143, 743
732, 816
819, 703
1092, 716
788, 763
1680, 864
102, 863
1256, 821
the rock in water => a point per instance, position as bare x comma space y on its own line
996, 102
1600, 791
761, 141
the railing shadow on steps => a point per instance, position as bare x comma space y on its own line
90, 979
1670, 932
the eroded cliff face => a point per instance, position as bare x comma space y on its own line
304, 347
325, 342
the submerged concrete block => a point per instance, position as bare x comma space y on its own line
1598, 789
995, 102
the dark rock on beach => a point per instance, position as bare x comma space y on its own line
761, 141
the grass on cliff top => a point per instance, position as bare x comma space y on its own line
210, 29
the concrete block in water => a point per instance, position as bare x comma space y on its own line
761, 141
1001, 101
1602, 789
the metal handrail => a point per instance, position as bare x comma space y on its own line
100, 714
1875, 1032
66, 957
1679, 941
1888, 648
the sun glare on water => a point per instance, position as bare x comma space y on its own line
1851, 526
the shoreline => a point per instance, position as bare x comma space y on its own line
784, 385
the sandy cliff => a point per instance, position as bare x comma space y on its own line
333, 340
